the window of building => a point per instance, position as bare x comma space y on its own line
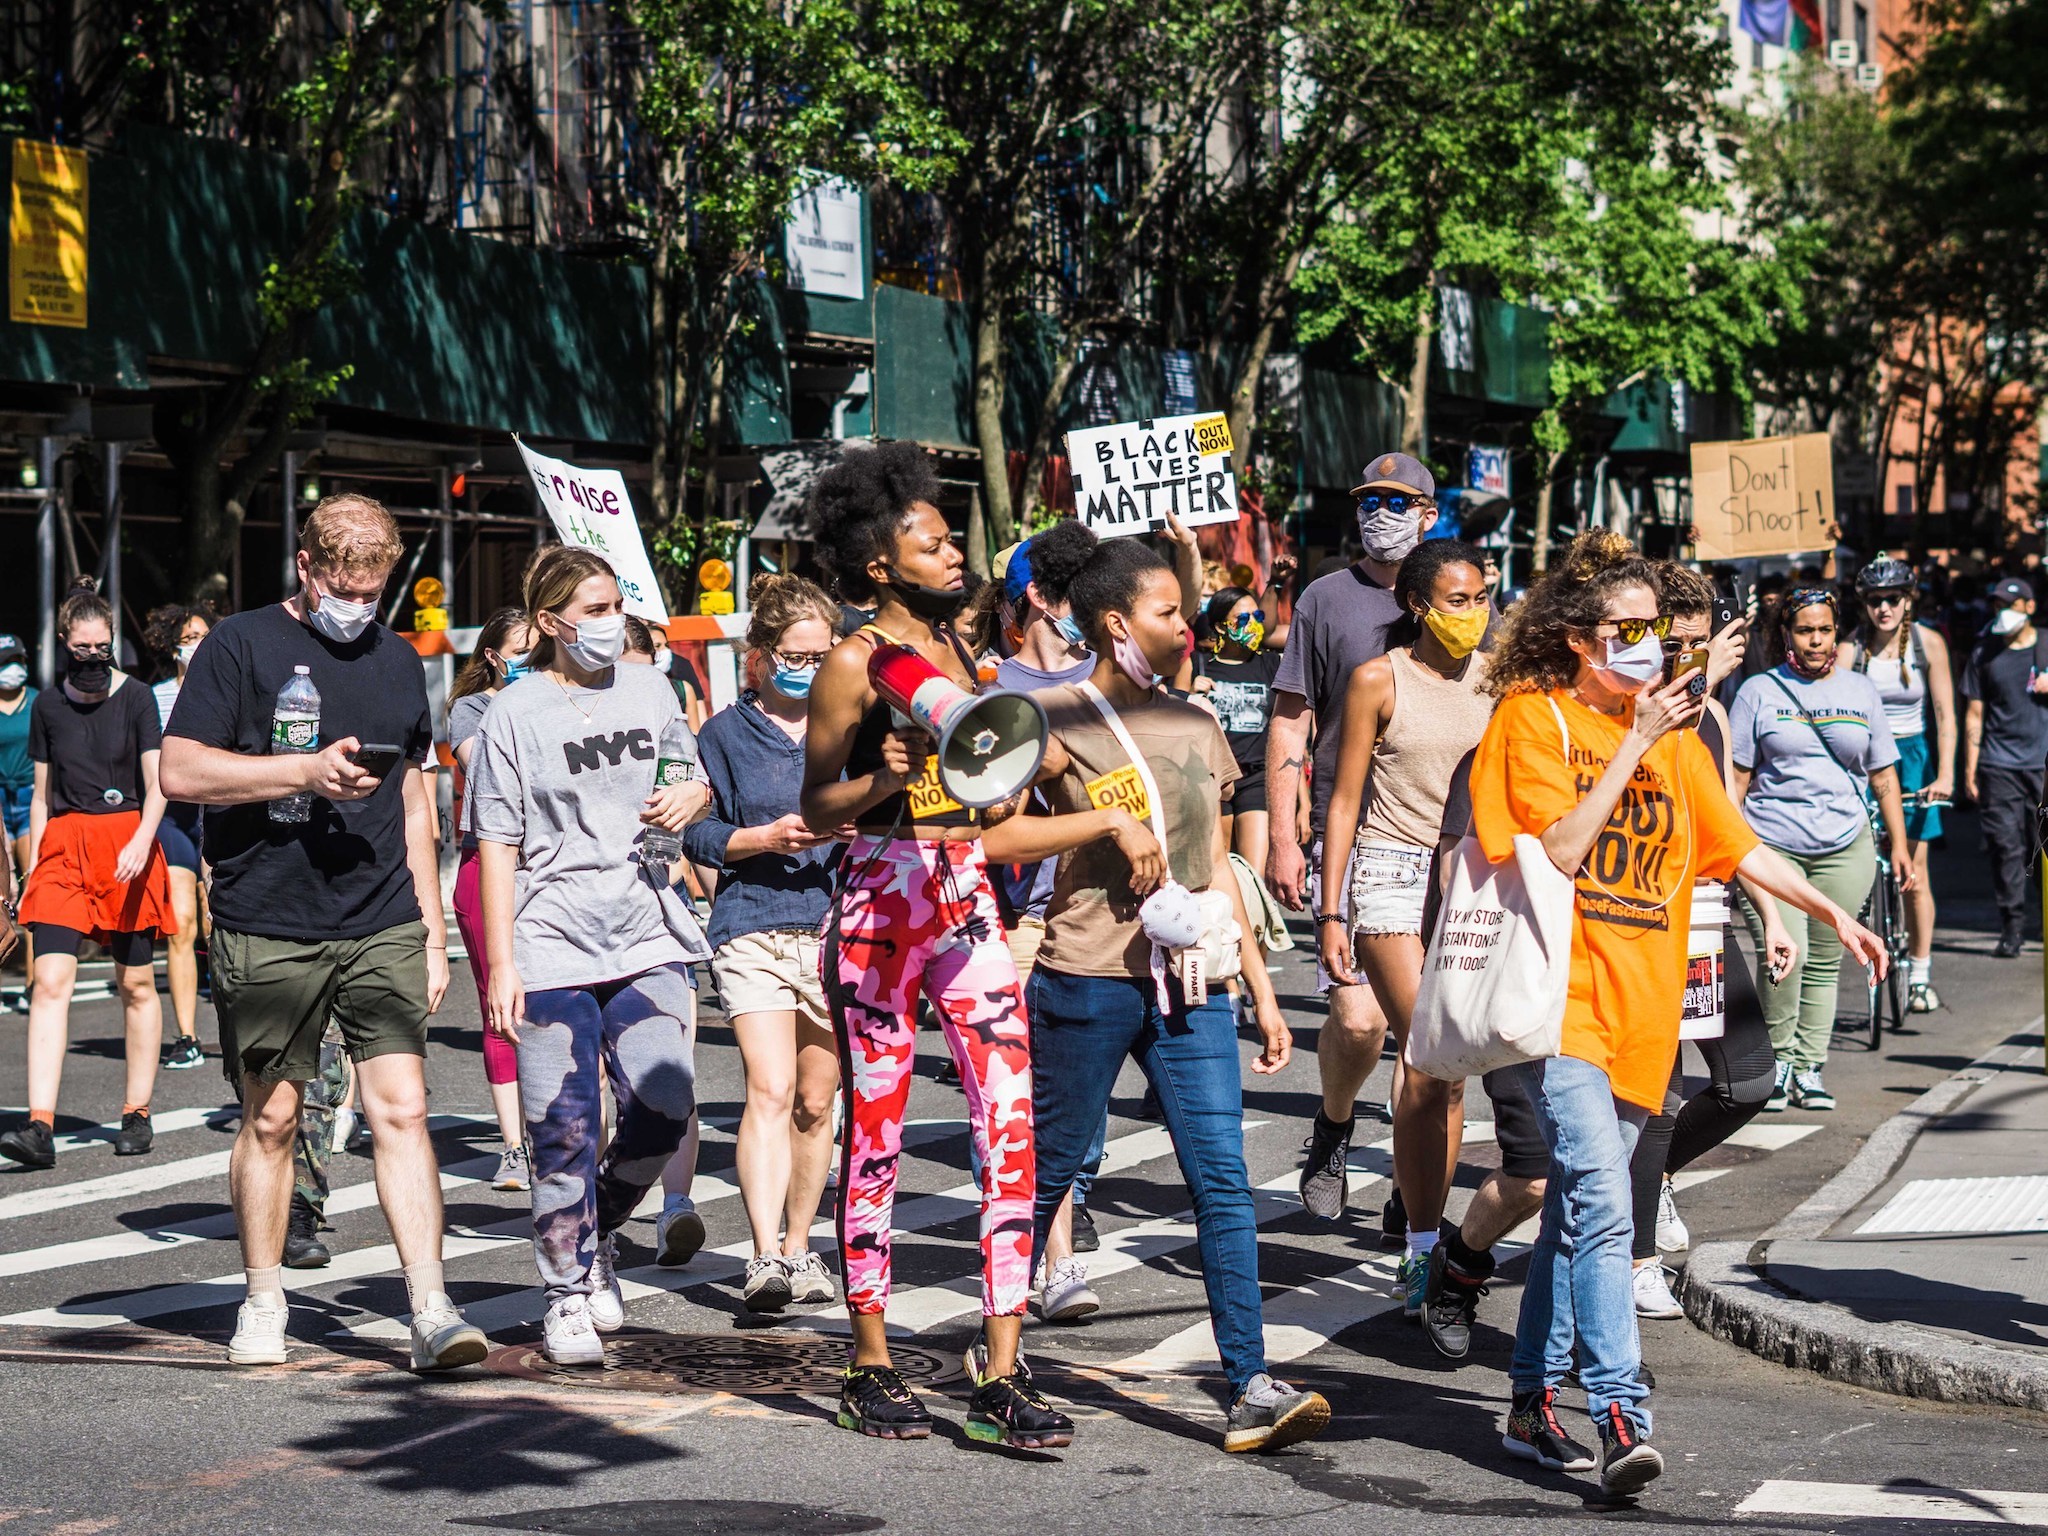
1756, 53
1863, 34
1834, 19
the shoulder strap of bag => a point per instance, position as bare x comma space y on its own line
1813, 725
1117, 729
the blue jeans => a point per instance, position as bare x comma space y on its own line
1082, 1028
1579, 1281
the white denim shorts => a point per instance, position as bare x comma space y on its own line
1388, 884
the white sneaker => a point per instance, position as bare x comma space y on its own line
443, 1339
1066, 1297
343, 1128
809, 1280
259, 1333
678, 1234
1653, 1294
1672, 1233
607, 1299
566, 1335
766, 1287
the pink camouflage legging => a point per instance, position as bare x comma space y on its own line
908, 919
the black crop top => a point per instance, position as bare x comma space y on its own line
924, 803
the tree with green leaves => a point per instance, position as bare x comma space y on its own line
750, 103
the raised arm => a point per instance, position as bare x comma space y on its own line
1570, 838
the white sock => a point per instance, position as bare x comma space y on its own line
1419, 1243
266, 1285
425, 1285
1917, 971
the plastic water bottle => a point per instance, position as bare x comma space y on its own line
675, 763
295, 727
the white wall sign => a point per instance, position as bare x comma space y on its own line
590, 508
1127, 477
822, 244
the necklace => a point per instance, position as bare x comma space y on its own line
589, 715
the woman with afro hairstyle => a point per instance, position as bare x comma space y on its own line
916, 911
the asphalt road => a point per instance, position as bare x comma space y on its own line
119, 1413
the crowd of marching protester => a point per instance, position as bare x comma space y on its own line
1064, 812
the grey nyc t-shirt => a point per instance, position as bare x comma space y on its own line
562, 774
1339, 625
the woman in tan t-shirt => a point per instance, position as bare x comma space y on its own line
1410, 716
1098, 993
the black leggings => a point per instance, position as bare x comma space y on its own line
1741, 1066
121, 948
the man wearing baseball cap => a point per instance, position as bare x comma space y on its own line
2005, 746
1340, 623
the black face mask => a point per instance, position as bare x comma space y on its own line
935, 605
89, 674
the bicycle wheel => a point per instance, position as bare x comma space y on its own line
1873, 917
1901, 948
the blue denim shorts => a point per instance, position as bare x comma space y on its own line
15, 806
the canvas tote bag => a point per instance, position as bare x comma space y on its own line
1499, 965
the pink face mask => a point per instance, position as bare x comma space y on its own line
1130, 660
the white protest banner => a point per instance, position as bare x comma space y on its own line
590, 507
1763, 496
1127, 477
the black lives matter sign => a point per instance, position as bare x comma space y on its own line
1129, 476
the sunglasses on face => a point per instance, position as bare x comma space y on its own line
1248, 617
1632, 630
1390, 501
1885, 599
93, 652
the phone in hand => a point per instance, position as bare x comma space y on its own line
377, 759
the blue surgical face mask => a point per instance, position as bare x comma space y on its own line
515, 666
794, 682
1070, 631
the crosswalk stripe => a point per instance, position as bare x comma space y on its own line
124, 1245
151, 1175
1874, 1501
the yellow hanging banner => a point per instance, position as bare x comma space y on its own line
46, 247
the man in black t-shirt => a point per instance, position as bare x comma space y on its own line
338, 914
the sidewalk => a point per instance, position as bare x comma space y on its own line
1921, 1268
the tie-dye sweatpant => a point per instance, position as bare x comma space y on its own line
921, 915
634, 1028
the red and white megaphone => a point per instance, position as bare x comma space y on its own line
990, 744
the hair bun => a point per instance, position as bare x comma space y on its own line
86, 584
1595, 551
765, 585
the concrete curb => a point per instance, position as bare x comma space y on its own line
1726, 1291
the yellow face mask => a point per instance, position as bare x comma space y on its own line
1459, 632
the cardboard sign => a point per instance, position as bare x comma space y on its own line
590, 507
46, 236
1127, 477
1764, 496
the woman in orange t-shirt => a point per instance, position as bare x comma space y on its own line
1589, 751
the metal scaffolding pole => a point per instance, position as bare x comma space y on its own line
111, 535
290, 521
46, 564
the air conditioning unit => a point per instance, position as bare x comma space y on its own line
1870, 76
1842, 53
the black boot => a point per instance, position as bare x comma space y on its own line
302, 1246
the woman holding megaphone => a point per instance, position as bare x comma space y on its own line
915, 911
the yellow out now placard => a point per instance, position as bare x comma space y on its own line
927, 796
46, 236
1212, 435
1121, 789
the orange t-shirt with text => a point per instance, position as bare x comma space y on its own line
1673, 825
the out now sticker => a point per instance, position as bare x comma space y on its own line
1212, 435
1121, 789
927, 796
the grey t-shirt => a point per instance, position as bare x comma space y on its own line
465, 719
1339, 625
1013, 672
562, 774
1811, 756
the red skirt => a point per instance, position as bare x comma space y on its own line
73, 884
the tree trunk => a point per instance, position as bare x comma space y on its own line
1415, 397
977, 535
1539, 539
988, 417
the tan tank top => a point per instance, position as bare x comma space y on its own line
1435, 722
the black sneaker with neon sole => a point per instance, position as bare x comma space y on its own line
1534, 1434
875, 1400
1010, 1410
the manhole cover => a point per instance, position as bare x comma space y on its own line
747, 1364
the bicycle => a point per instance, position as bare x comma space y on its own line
1884, 914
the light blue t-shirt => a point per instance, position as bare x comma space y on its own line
1800, 799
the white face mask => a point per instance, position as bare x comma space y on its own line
1389, 536
2008, 622
1632, 668
14, 675
187, 652
663, 660
337, 618
598, 642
